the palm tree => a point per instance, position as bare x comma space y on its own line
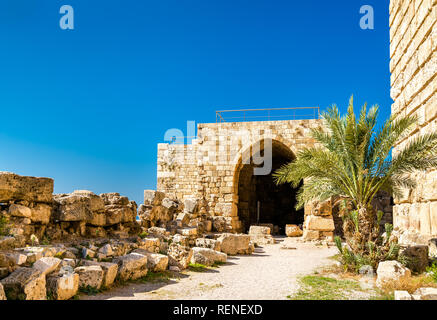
354, 161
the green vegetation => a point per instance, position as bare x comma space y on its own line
45, 241
352, 164
218, 264
432, 270
89, 290
143, 234
4, 230
197, 267
156, 277
324, 288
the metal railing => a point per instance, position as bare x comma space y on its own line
181, 140
267, 114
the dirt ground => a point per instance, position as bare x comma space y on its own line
270, 273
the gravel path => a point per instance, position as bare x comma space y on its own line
270, 273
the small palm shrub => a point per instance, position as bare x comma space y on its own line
353, 161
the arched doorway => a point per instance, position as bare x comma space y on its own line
260, 200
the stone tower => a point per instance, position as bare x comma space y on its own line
413, 67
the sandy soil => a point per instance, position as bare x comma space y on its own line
270, 273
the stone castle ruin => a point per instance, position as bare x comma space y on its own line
210, 193
219, 169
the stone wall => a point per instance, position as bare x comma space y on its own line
413, 66
209, 168
29, 210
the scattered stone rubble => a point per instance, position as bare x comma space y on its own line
57, 245
54, 246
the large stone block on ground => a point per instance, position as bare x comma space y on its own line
25, 284
425, 294
23, 188
78, 206
207, 256
90, 276
319, 223
109, 271
259, 230
149, 244
391, 272
208, 243
191, 205
63, 286
132, 266
179, 256
156, 262
292, 230
153, 197
262, 239
2, 293
231, 243
47, 265
402, 295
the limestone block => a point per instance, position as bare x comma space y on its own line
109, 271
17, 210
234, 243
47, 265
41, 213
391, 271
132, 266
188, 231
426, 293
260, 230
261, 239
63, 286
16, 258
402, 295
208, 243
2, 293
153, 197
179, 256
90, 276
207, 256
319, 223
191, 205
309, 235
114, 198
155, 262
77, 206
106, 250
25, 284
15, 187
149, 244
292, 230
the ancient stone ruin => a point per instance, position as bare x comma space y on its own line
53, 246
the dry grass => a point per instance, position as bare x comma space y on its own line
410, 285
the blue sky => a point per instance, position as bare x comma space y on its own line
88, 106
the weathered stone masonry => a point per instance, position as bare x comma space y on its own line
413, 66
210, 167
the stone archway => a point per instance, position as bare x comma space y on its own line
259, 199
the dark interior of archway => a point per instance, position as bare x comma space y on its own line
276, 203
